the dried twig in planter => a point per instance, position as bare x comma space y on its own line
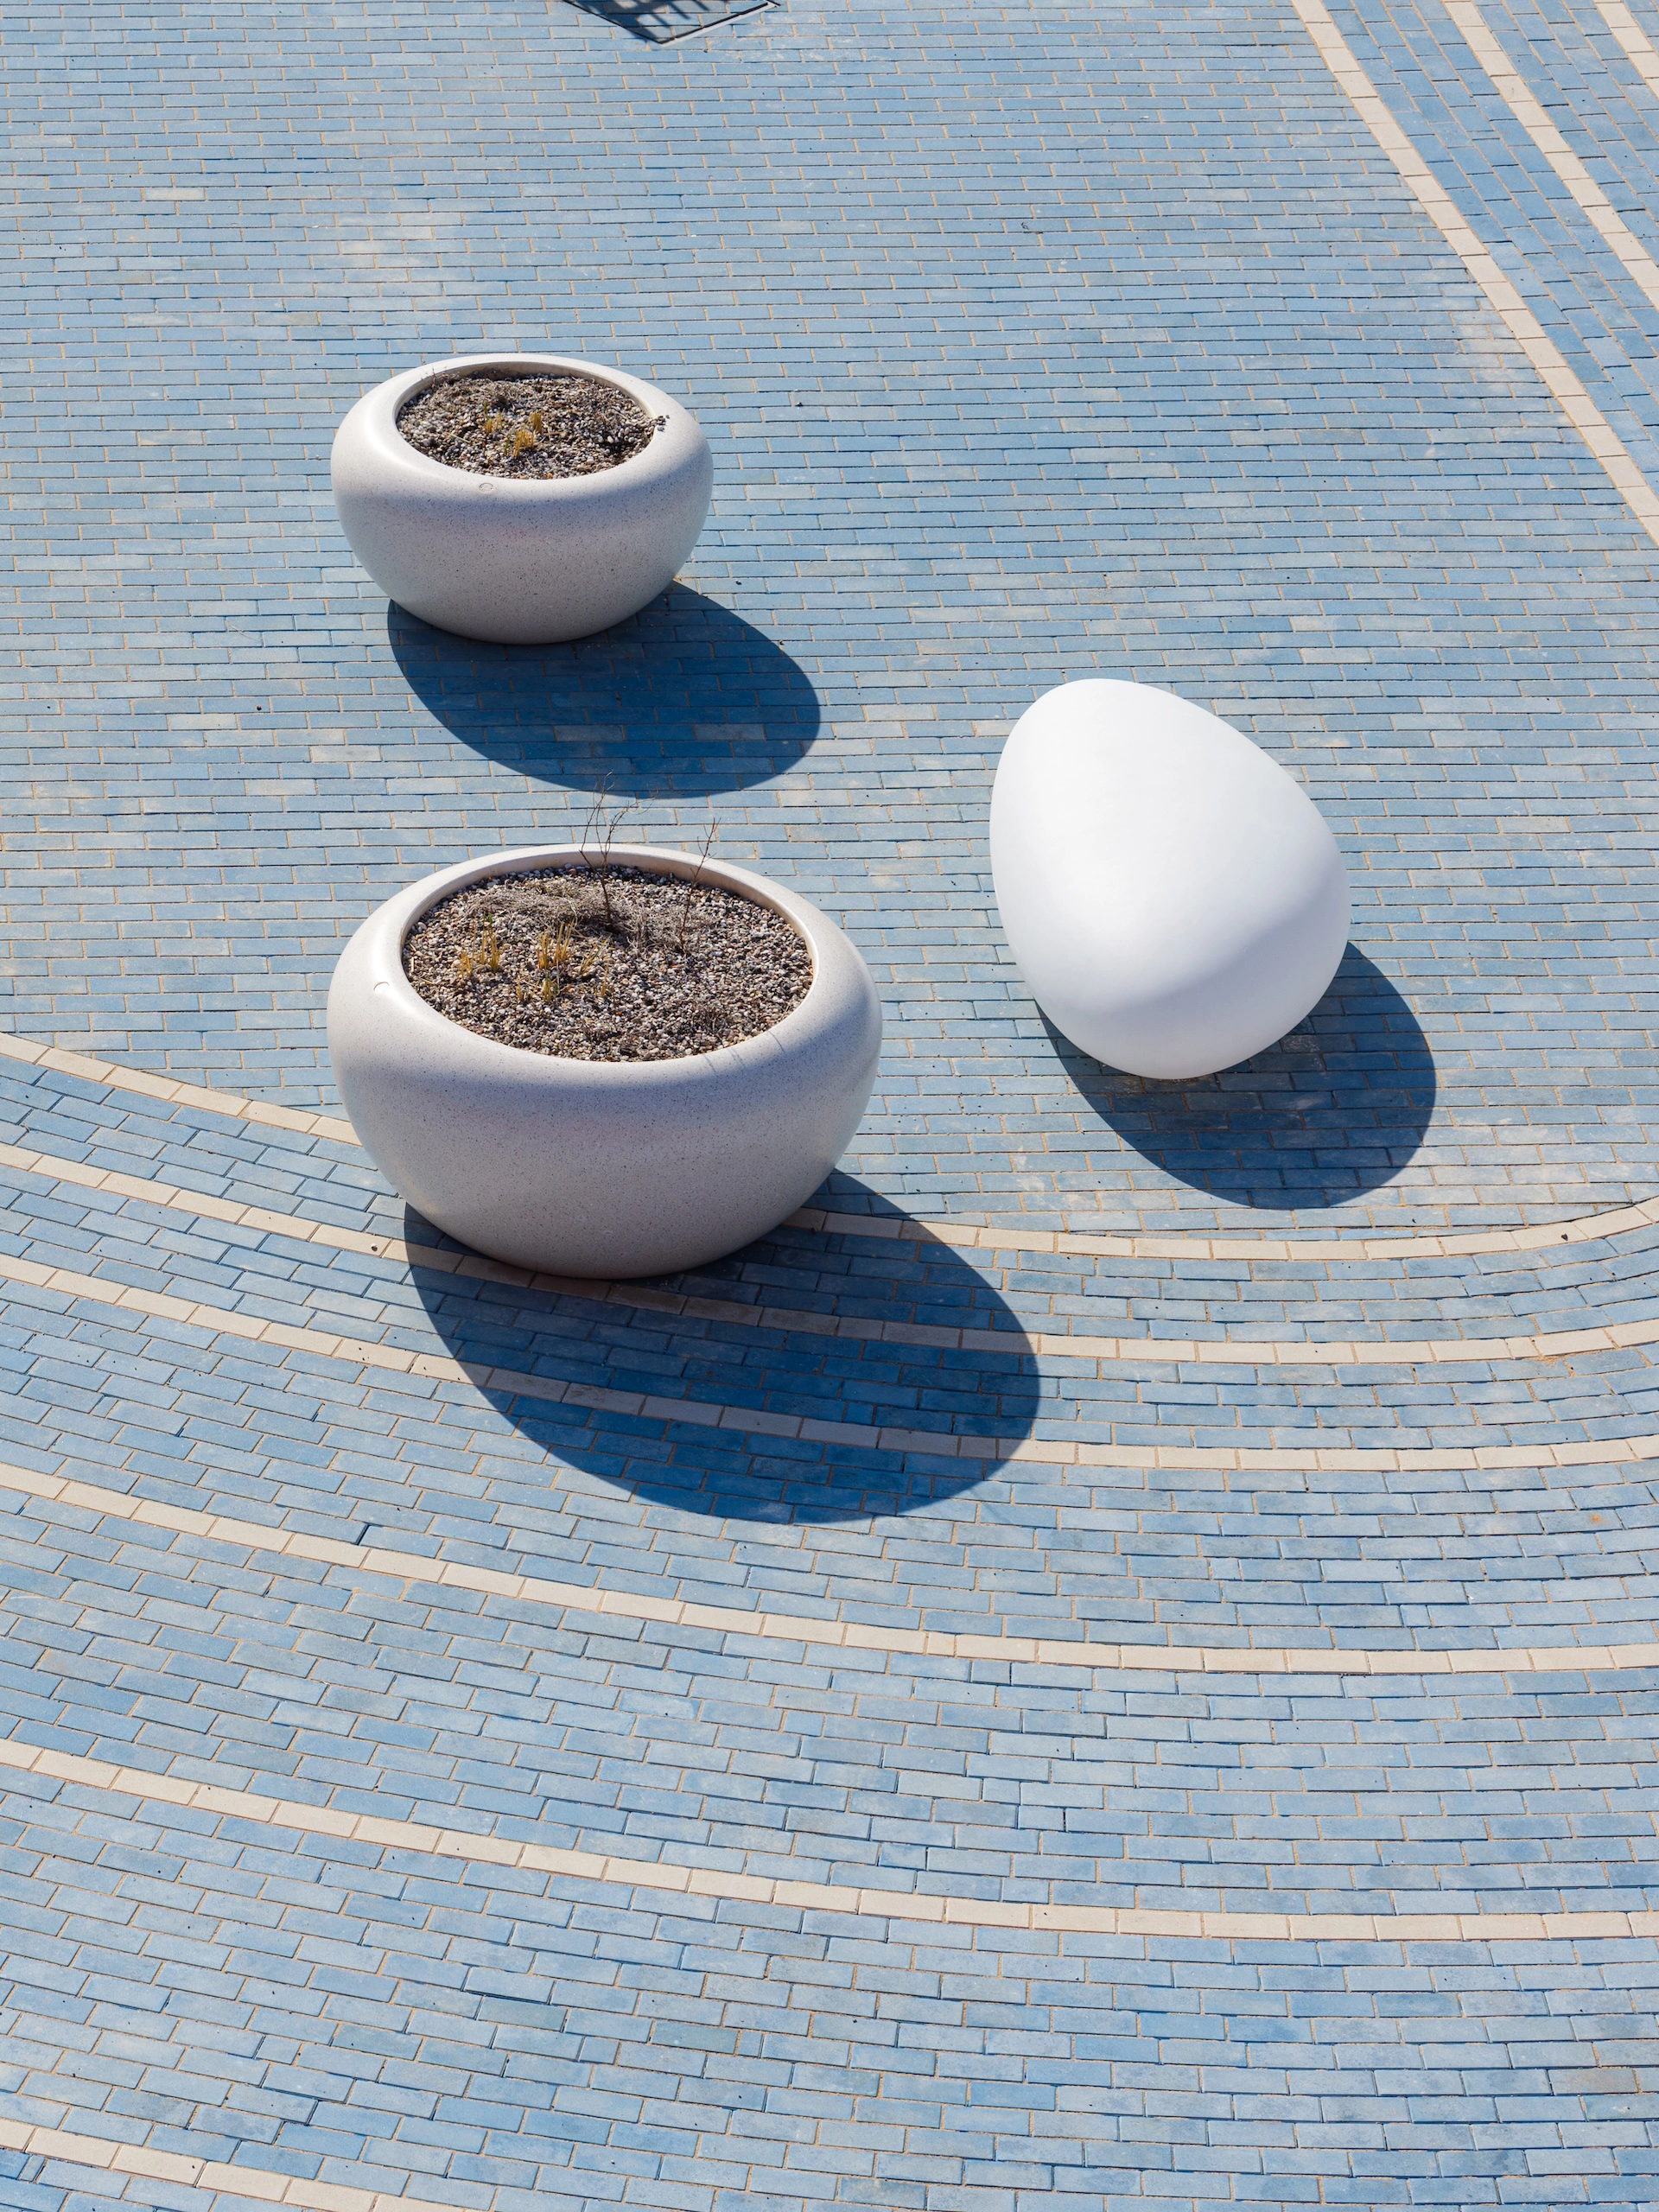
691, 883
600, 828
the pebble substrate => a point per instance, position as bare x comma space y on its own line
527, 426
532, 960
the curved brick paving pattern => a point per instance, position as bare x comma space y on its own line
1110, 1660
737, 1625
1439, 726
844, 1770
82, 1132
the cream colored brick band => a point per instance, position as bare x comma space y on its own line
374, 1362
1513, 90
413, 1569
177, 2169
1010, 1236
1639, 48
940, 1910
1095, 1352
1563, 385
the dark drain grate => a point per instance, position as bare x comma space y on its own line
660, 21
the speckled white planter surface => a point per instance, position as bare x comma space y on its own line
518, 560
600, 1167
1173, 899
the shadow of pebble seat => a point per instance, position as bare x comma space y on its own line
576, 1336
683, 700
1334, 1111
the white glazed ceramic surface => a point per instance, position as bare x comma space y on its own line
514, 559
1173, 899
600, 1167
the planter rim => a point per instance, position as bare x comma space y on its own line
389, 926
383, 403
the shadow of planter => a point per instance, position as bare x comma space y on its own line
1336, 1108
681, 700
773, 1370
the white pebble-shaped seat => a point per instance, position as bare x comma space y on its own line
1173, 899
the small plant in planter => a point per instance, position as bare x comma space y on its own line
522, 498
600, 1059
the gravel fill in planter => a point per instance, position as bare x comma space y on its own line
601, 1166
519, 558
613, 965
528, 426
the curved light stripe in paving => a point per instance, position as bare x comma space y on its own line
177, 2169
805, 1629
719, 1883
1639, 48
1447, 1244
1011, 1236
171, 1092
1227, 1352
1514, 91
1563, 385
370, 1359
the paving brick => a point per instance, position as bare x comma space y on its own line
1031, 345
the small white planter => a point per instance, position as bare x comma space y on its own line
600, 1167
517, 560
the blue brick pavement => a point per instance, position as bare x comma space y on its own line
1261, 522
375, 2017
1032, 343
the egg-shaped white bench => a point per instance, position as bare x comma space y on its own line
1173, 899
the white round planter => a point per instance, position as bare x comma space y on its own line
518, 560
1174, 899
600, 1167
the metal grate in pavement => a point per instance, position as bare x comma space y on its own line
658, 21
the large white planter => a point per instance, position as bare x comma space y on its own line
1173, 899
516, 560
600, 1167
